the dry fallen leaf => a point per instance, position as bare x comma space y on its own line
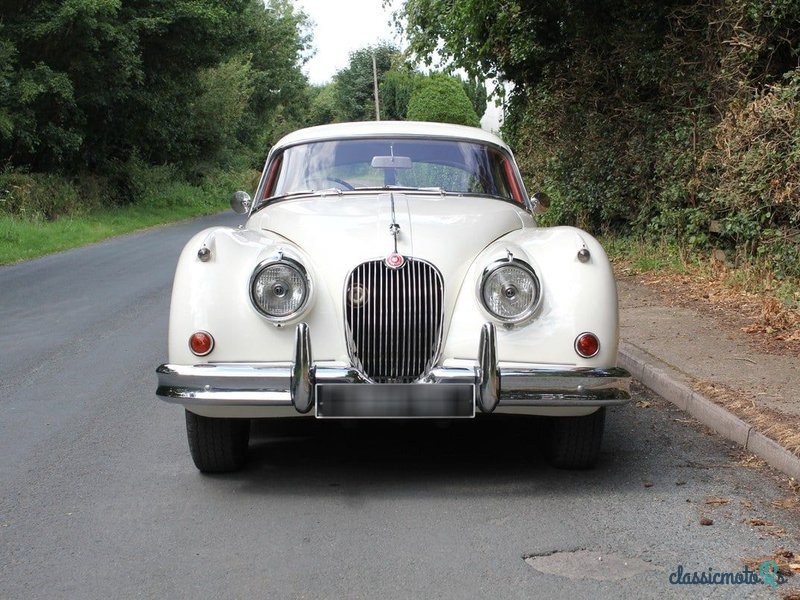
780, 557
760, 523
776, 532
752, 461
792, 337
716, 500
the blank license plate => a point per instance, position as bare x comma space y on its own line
395, 400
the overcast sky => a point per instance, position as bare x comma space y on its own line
341, 27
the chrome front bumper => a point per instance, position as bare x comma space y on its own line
292, 384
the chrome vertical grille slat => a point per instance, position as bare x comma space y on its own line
380, 281
406, 321
424, 310
394, 319
370, 325
391, 363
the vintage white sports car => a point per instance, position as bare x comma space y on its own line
392, 270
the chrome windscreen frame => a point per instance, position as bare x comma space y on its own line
258, 202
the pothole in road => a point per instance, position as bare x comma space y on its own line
586, 564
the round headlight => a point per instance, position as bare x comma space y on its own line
510, 290
279, 289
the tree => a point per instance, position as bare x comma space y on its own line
226, 90
354, 83
277, 39
324, 105
395, 93
442, 98
475, 89
513, 44
89, 84
7, 57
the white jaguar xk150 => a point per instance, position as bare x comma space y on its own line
392, 270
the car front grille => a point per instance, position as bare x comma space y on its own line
394, 319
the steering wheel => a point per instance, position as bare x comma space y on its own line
347, 187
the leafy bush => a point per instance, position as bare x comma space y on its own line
755, 163
39, 196
444, 100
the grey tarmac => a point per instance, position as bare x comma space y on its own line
99, 498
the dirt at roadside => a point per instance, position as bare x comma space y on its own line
770, 326
740, 350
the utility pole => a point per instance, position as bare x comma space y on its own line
375, 84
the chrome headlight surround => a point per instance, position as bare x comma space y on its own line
302, 278
529, 308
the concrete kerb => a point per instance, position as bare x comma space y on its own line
672, 385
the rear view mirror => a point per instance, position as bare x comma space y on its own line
391, 162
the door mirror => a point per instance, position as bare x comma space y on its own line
541, 202
240, 202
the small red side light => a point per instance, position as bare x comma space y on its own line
201, 343
587, 345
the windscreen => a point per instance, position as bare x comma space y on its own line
358, 164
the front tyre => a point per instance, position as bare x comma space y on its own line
574, 442
217, 445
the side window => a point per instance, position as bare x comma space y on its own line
516, 192
272, 177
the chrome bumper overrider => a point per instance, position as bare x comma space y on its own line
292, 384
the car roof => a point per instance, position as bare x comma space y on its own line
388, 129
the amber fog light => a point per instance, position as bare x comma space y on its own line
587, 345
201, 343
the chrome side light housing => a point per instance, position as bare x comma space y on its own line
280, 289
509, 291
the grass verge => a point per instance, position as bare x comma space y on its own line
770, 305
23, 237
667, 258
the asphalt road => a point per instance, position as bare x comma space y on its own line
99, 498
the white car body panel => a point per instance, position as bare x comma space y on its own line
330, 233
